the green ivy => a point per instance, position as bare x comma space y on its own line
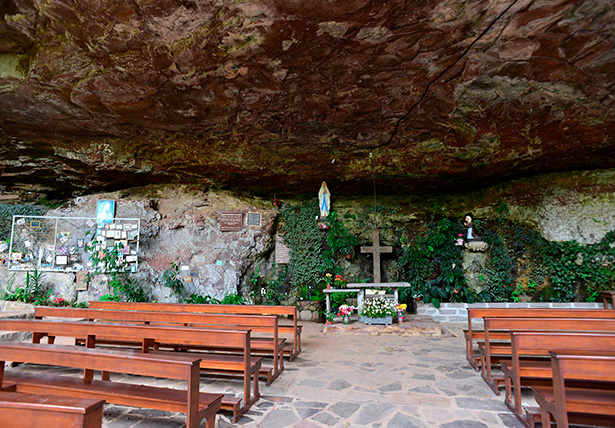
7, 211
432, 264
556, 271
305, 241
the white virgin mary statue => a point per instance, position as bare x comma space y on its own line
324, 200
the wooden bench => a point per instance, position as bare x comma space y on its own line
150, 336
22, 410
472, 334
291, 349
560, 400
493, 351
608, 296
273, 344
525, 368
196, 405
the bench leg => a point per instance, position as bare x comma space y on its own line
192, 412
105, 376
545, 418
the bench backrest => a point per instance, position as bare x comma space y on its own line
573, 366
199, 308
266, 324
541, 343
125, 361
556, 324
161, 334
474, 313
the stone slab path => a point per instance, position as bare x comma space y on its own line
345, 381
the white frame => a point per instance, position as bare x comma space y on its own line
55, 242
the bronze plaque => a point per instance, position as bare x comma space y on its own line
254, 219
231, 221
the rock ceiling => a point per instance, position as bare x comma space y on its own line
273, 96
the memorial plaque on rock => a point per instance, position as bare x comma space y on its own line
231, 221
254, 219
282, 252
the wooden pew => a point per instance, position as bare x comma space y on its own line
520, 372
22, 410
597, 400
149, 336
273, 344
608, 296
472, 334
292, 350
492, 351
196, 405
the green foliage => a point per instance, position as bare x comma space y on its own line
171, 279
112, 263
7, 211
269, 293
339, 238
110, 298
305, 240
229, 299
314, 252
433, 265
49, 204
204, 300
31, 292
523, 264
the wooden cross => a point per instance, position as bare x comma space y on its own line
376, 250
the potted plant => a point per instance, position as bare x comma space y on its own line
330, 317
345, 311
401, 310
378, 311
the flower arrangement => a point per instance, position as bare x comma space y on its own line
345, 310
339, 281
378, 308
401, 310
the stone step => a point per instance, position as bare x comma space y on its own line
16, 310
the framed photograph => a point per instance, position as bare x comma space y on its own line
61, 260
35, 224
74, 258
80, 243
112, 226
118, 234
105, 211
124, 234
16, 256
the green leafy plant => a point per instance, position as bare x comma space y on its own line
112, 263
31, 292
432, 265
172, 280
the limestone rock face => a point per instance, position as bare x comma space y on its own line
273, 96
177, 225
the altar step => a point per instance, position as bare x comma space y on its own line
413, 325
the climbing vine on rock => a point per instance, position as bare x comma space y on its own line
433, 265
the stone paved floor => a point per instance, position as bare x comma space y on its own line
347, 381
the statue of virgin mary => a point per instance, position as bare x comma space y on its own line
324, 200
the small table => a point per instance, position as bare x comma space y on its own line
337, 290
376, 285
606, 296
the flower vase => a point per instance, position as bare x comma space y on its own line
346, 319
400, 317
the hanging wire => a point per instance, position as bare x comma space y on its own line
374, 181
